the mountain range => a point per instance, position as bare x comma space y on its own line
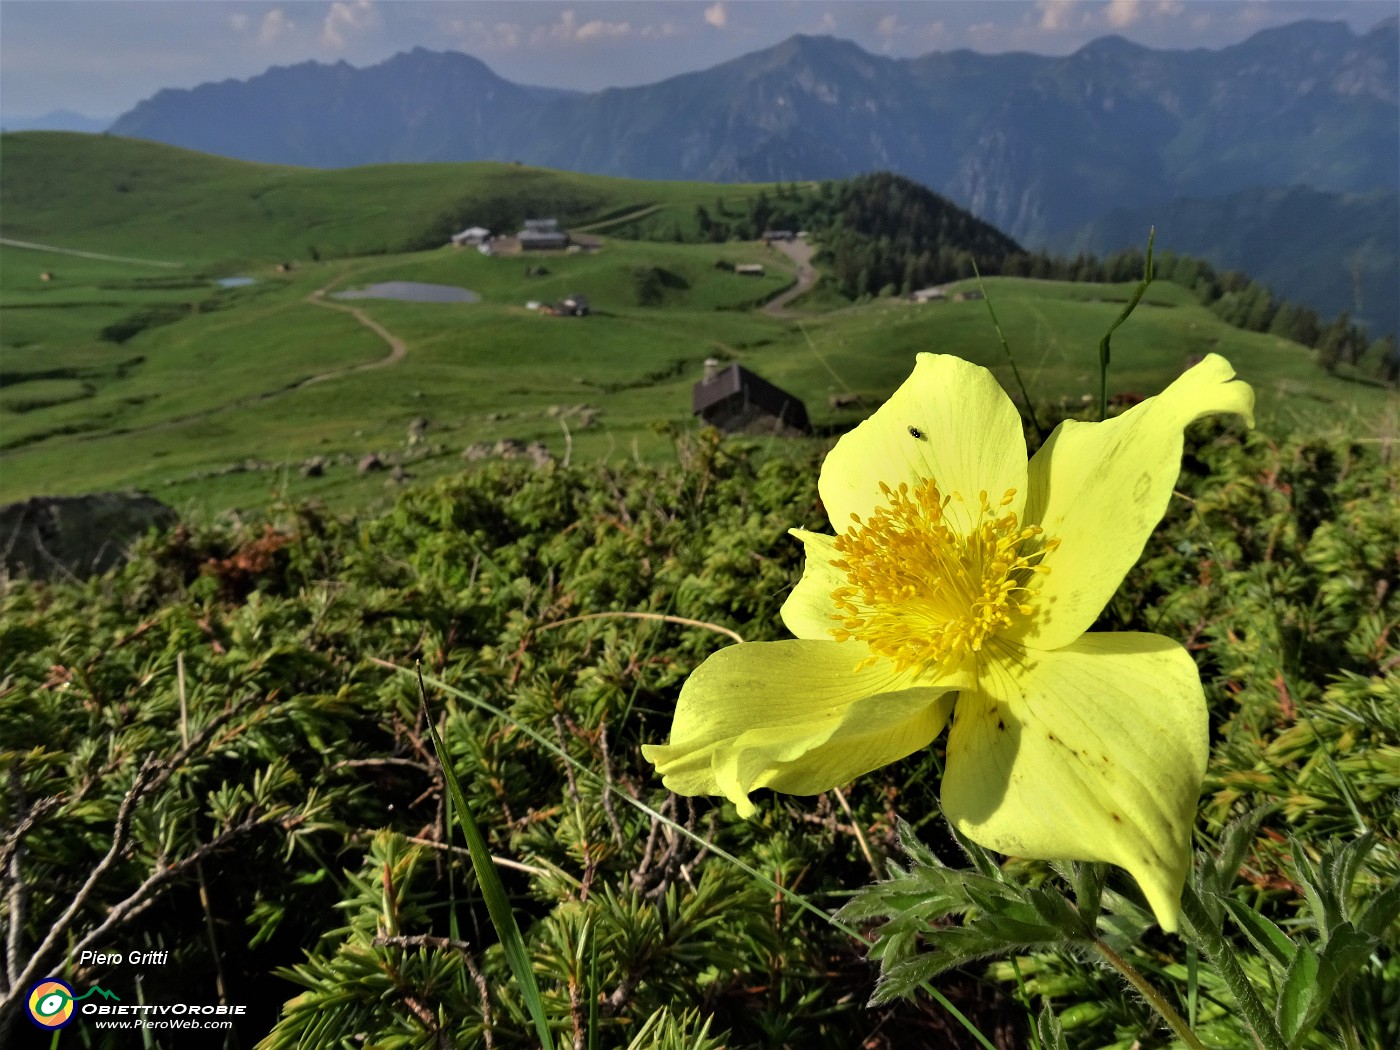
1039, 146
1310, 246
56, 120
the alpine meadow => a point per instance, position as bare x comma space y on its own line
786, 599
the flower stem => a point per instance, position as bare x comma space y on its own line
1154, 998
1132, 305
1011, 359
1216, 948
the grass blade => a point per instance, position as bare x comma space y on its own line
1127, 311
491, 888
1010, 357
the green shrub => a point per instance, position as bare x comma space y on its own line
237, 705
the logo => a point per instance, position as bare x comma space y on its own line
50, 1002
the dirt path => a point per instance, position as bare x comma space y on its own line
640, 213
87, 255
397, 348
800, 252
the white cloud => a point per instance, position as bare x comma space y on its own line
499, 36
1123, 13
567, 29
1055, 14
1120, 14
716, 15
827, 23
600, 30
887, 26
347, 17
275, 25
238, 21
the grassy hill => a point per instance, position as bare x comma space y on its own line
125, 196
117, 374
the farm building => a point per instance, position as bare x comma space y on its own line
542, 235
471, 235
930, 295
573, 306
739, 402
749, 269
778, 235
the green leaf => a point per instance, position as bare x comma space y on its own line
903, 979
1058, 913
1219, 873
1298, 1002
1122, 917
1315, 888
915, 850
1381, 912
1347, 949
1313, 979
1263, 933
1346, 863
982, 858
1052, 1034
1088, 884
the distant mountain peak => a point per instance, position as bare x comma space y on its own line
421, 54
1310, 32
56, 120
801, 47
1113, 45
824, 43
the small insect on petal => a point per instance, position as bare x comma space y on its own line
916, 433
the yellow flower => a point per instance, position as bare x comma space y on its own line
961, 584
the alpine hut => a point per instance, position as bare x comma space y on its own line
739, 402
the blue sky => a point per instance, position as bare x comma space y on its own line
101, 57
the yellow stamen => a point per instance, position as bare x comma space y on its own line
921, 594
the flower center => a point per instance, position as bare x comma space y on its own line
920, 593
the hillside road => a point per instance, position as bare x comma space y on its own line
87, 255
398, 350
800, 252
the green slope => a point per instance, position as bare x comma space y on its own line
183, 406
109, 194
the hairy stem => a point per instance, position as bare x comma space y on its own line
1214, 946
1154, 998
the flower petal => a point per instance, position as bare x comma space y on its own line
795, 716
949, 421
1092, 752
1101, 488
809, 611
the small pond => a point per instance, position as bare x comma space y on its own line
234, 282
411, 292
